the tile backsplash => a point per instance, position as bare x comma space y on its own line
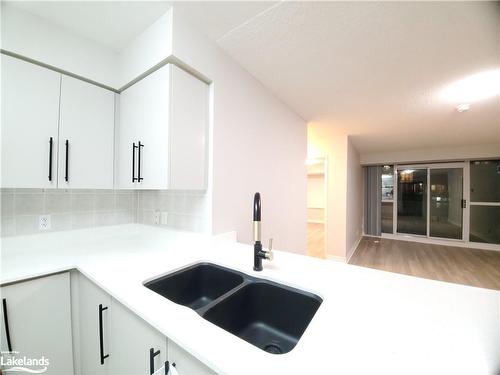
74, 209
185, 210
68, 209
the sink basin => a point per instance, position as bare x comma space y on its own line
268, 316
196, 286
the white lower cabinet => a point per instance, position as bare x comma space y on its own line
135, 347
91, 312
111, 339
36, 317
82, 330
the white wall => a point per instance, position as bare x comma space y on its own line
354, 198
433, 154
149, 48
259, 144
34, 37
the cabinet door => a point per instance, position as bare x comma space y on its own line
185, 363
30, 115
39, 320
188, 132
90, 297
86, 136
144, 116
126, 138
131, 341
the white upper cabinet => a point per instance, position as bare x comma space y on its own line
188, 132
143, 133
57, 131
30, 117
163, 134
86, 136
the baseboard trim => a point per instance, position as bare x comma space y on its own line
353, 249
433, 241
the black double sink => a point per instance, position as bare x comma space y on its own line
266, 314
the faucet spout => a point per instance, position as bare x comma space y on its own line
256, 207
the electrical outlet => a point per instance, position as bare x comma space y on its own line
44, 222
164, 218
156, 217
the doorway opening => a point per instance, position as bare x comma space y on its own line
316, 207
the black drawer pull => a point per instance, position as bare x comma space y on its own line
134, 179
167, 367
50, 158
139, 178
66, 174
101, 337
152, 355
6, 323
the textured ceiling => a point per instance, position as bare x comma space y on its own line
375, 69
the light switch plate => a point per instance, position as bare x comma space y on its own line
44, 222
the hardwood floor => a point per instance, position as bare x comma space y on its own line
446, 263
316, 240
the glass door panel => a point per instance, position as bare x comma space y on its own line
446, 194
412, 201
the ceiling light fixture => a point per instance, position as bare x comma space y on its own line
473, 88
463, 107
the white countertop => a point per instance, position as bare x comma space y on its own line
370, 321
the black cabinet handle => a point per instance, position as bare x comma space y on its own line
101, 337
66, 174
6, 323
152, 355
139, 178
167, 367
50, 158
134, 179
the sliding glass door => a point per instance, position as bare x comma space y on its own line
446, 203
430, 200
412, 201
